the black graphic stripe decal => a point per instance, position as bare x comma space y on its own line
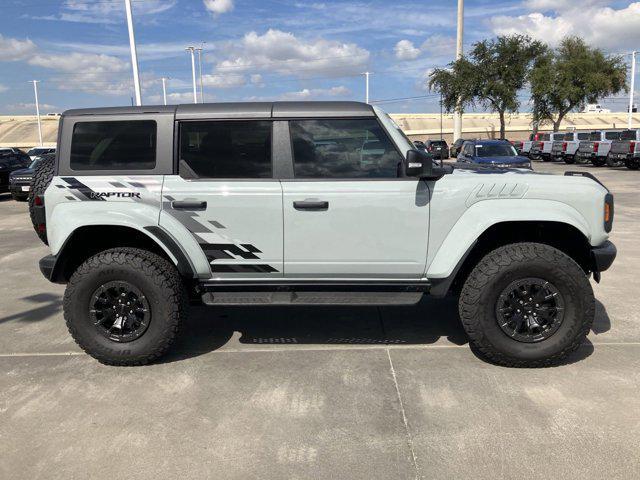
77, 185
241, 268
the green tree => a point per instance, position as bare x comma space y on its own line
491, 75
571, 76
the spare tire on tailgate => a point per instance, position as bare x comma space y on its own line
41, 180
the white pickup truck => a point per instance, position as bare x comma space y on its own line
287, 203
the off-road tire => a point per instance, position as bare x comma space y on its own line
479, 296
41, 179
598, 162
632, 164
612, 163
155, 277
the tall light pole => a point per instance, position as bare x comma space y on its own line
191, 49
35, 92
633, 82
457, 115
366, 86
200, 71
134, 53
164, 89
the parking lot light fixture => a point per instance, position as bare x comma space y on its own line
35, 92
633, 82
191, 49
164, 89
134, 54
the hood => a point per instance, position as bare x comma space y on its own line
516, 159
22, 172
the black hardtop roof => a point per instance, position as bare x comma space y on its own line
238, 110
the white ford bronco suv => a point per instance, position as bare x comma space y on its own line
146, 209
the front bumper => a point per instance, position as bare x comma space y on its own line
602, 257
18, 188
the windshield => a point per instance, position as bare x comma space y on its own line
497, 150
628, 135
399, 137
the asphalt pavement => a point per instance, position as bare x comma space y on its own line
312, 393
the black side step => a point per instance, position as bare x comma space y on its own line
309, 293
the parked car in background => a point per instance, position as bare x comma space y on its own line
517, 144
38, 151
535, 151
595, 108
527, 144
455, 147
438, 148
20, 180
566, 148
600, 145
547, 145
420, 145
16, 152
8, 163
625, 150
491, 153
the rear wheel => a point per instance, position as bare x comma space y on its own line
598, 161
124, 306
569, 159
611, 162
527, 305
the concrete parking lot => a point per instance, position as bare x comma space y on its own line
356, 393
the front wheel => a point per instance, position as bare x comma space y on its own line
124, 306
632, 163
527, 305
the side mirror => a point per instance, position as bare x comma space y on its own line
418, 164
421, 165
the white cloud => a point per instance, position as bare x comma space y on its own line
175, 98
606, 27
218, 7
405, 50
256, 79
31, 108
14, 49
222, 80
93, 73
307, 94
90, 11
436, 46
3, 88
284, 53
439, 46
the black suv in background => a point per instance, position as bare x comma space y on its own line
10, 162
437, 148
20, 180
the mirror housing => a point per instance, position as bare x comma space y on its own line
421, 165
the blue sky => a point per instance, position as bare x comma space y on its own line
270, 49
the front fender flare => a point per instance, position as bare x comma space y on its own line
482, 215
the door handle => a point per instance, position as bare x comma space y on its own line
188, 205
316, 205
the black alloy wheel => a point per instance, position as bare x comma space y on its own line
530, 310
119, 311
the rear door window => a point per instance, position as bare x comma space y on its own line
343, 148
223, 149
612, 135
114, 145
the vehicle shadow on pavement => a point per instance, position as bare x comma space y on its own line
211, 328
46, 305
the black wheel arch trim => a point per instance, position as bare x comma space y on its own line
185, 267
